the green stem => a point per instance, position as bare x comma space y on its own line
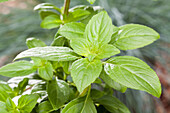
66, 7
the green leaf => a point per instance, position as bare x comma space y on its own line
91, 1
76, 15
51, 21
93, 10
3, 95
114, 35
80, 105
33, 42
5, 87
72, 30
49, 53
99, 29
57, 89
132, 36
45, 13
46, 71
22, 85
112, 104
20, 68
80, 46
66, 66
45, 6
107, 50
3, 107
133, 73
110, 82
27, 102
10, 105
44, 107
84, 72
59, 41
95, 94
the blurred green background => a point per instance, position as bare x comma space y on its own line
18, 21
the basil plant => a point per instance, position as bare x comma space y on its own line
81, 68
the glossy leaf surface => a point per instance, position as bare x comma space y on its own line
110, 82
27, 102
132, 36
133, 73
76, 15
57, 89
51, 21
80, 105
33, 42
72, 30
99, 29
20, 68
85, 72
46, 71
49, 53
44, 107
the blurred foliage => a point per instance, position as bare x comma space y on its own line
18, 25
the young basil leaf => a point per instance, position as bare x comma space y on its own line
44, 107
10, 105
84, 72
45, 6
27, 102
99, 29
59, 41
45, 13
112, 104
76, 15
72, 30
93, 10
107, 50
80, 46
49, 53
22, 85
80, 105
33, 42
46, 71
91, 1
57, 89
51, 21
133, 73
20, 68
132, 36
110, 82
3, 107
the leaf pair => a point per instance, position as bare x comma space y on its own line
25, 104
92, 40
52, 19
